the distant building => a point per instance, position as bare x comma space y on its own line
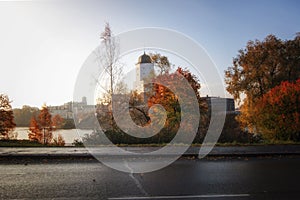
65, 110
218, 102
144, 68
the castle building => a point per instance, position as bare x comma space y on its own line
144, 69
219, 102
66, 110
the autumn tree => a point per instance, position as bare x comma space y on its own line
139, 109
57, 122
162, 62
162, 94
45, 122
278, 112
109, 61
192, 79
203, 106
59, 140
165, 97
262, 65
7, 124
35, 131
258, 68
41, 127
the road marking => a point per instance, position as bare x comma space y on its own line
137, 183
12, 173
181, 197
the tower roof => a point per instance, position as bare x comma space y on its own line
144, 59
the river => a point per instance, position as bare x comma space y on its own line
69, 135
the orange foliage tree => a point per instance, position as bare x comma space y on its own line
165, 97
59, 141
35, 132
41, 128
257, 69
278, 112
168, 100
7, 124
57, 121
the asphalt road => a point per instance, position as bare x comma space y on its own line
211, 178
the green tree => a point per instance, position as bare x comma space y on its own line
7, 124
23, 115
258, 68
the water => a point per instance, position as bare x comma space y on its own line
69, 135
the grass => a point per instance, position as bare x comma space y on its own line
22, 143
217, 144
231, 144
28, 143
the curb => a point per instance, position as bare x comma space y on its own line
84, 155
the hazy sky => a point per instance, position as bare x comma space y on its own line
44, 43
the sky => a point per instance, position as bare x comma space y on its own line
43, 44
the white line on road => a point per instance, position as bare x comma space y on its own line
137, 183
12, 173
181, 197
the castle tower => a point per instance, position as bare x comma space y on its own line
84, 101
144, 68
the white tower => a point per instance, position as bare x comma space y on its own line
144, 68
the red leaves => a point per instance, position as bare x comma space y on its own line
278, 111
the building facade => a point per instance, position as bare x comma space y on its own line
66, 110
144, 69
220, 103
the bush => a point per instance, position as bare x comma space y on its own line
77, 143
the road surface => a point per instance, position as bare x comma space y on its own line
211, 178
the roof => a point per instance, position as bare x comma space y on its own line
144, 59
